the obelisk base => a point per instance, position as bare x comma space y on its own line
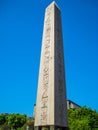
50, 128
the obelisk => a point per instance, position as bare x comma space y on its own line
51, 106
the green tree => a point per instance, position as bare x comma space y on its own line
5, 127
29, 123
82, 119
2, 119
16, 121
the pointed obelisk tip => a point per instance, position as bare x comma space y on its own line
55, 4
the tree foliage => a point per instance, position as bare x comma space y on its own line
2, 119
29, 123
82, 119
5, 127
16, 120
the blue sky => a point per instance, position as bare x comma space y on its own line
21, 27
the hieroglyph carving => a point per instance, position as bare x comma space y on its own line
44, 100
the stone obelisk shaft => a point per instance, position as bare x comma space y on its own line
51, 109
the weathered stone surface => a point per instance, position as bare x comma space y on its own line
51, 108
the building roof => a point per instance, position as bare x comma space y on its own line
74, 103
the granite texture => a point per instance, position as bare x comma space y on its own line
51, 108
